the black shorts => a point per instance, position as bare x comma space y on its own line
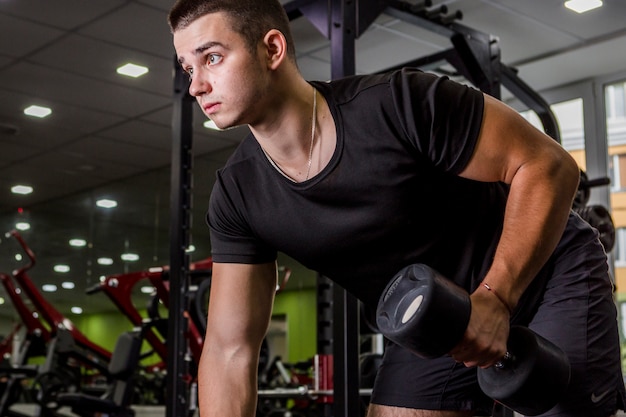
577, 312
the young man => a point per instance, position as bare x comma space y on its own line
360, 177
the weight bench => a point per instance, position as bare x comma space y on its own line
117, 400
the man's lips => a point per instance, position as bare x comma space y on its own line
210, 107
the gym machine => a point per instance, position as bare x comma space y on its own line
67, 351
14, 369
85, 351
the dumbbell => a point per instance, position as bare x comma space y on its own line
427, 314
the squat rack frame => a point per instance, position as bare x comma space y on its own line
474, 54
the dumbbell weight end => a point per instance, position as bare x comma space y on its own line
532, 379
423, 312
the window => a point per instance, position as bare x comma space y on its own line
615, 101
619, 251
615, 97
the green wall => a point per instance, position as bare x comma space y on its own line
103, 329
300, 308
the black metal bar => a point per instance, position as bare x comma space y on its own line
478, 53
343, 30
325, 329
478, 59
177, 404
324, 315
346, 353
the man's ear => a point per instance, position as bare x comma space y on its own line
275, 48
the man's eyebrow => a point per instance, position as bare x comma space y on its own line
200, 49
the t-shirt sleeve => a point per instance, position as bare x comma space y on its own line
441, 118
232, 240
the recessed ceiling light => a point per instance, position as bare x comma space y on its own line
582, 6
132, 70
37, 111
61, 268
106, 203
67, 285
1, 301
78, 243
21, 189
18, 257
105, 261
49, 287
130, 257
22, 226
76, 310
190, 249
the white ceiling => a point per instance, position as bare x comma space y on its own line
109, 135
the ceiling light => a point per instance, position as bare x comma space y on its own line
190, 249
130, 257
1, 301
105, 261
49, 288
21, 189
106, 203
132, 70
37, 111
76, 310
68, 285
61, 268
147, 289
18, 257
78, 243
22, 226
582, 6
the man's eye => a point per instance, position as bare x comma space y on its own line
214, 59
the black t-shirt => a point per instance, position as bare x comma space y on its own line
389, 197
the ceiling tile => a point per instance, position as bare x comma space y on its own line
66, 14
121, 27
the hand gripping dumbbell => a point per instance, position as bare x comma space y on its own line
427, 314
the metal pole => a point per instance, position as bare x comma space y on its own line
177, 404
343, 32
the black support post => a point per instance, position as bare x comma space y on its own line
177, 402
343, 32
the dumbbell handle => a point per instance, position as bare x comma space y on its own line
506, 360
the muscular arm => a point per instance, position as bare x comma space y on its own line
240, 306
543, 179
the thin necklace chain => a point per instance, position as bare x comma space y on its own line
313, 123
308, 170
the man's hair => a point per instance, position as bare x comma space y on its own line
252, 19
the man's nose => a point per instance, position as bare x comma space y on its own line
199, 85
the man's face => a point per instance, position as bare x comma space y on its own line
226, 78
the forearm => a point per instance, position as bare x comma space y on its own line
240, 306
537, 210
227, 384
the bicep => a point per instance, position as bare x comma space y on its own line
240, 303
